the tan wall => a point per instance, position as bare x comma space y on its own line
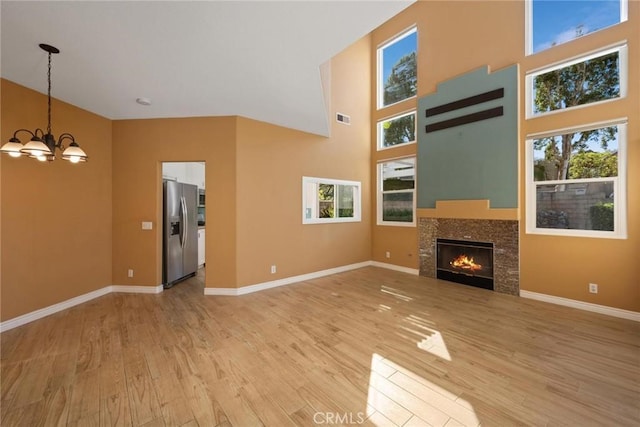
271, 163
564, 266
56, 217
497, 40
139, 147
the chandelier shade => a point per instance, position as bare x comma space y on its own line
42, 146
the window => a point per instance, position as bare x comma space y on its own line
330, 200
576, 181
597, 77
551, 23
397, 70
397, 130
396, 192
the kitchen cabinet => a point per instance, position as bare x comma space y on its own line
175, 171
187, 172
201, 241
195, 174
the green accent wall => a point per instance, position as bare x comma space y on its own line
476, 160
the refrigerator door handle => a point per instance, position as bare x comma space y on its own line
183, 211
186, 222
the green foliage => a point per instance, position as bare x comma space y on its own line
402, 81
326, 210
399, 215
583, 83
392, 184
589, 164
589, 81
345, 213
601, 216
326, 191
400, 130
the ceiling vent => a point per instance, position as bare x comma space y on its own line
343, 118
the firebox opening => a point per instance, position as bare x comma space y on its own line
465, 262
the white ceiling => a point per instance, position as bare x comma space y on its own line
258, 59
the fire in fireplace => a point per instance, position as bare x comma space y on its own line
466, 262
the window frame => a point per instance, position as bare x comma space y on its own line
357, 200
380, 63
380, 145
380, 193
619, 185
528, 25
623, 56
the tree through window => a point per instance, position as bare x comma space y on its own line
397, 69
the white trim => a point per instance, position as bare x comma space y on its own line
303, 277
619, 185
310, 202
137, 289
528, 35
52, 309
394, 267
581, 305
72, 302
380, 65
620, 47
286, 281
380, 193
380, 131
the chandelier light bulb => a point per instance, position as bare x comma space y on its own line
43, 144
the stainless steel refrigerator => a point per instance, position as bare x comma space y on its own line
180, 232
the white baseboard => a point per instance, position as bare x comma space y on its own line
52, 309
55, 308
137, 289
400, 268
281, 282
596, 308
47, 311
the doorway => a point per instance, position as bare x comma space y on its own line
183, 230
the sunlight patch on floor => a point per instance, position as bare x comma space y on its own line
395, 293
431, 341
399, 397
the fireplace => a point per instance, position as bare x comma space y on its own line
504, 234
465, 262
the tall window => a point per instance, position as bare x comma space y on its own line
589, 79
397, 69
396, 192
551, 23
576, 182
330, 200
397, 130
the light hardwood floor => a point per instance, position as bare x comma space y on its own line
371, 343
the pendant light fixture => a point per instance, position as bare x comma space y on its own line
42, 146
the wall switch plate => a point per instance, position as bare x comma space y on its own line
593, 288
147, 225
130, 273
273, 269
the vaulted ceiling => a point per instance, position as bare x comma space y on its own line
259, 59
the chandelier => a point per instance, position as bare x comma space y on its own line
42, 146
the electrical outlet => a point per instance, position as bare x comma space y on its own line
593, 288
130, 273
273, 269
387, 254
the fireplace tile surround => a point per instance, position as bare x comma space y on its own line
502, 233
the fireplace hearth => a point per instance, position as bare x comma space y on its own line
465, 262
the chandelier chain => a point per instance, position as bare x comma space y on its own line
49, 97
